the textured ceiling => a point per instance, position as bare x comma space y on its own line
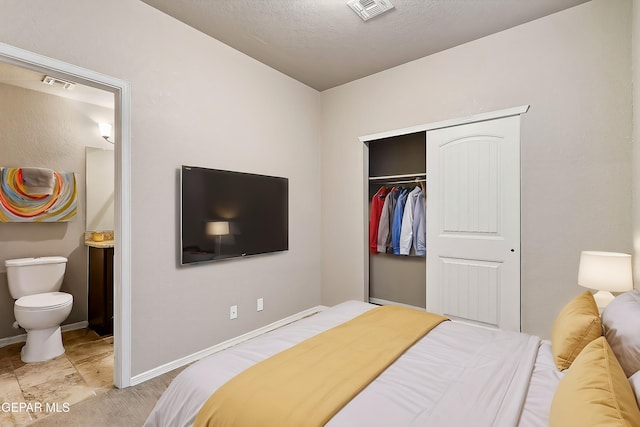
323, 43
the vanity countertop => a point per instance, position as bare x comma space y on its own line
106, 239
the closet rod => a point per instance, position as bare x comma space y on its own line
408, 175
409, 181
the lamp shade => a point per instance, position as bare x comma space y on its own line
218, 228
605, 271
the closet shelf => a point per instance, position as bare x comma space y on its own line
408, 175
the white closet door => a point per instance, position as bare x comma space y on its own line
473, 222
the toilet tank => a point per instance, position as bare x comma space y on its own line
30, 276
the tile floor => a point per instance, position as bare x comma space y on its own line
29, 392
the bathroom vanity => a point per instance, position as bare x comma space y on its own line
98, 237
101, 286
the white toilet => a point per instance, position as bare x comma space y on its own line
39, 308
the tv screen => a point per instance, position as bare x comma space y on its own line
227, 214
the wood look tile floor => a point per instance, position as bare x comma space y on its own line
32, 391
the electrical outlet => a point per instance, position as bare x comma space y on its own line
260, 304
233, 312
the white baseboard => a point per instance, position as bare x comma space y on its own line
23, 337
74, 326
167, 367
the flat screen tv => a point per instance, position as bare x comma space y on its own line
227, 214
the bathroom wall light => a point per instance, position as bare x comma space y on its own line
105, 131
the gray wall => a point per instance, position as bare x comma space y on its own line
47, 131
573, 68
194, 101
636, 140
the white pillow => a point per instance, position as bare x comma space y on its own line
621, 323
635, 385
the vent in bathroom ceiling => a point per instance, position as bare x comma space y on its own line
52, 81
367, 9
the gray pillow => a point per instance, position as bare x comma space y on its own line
621, 323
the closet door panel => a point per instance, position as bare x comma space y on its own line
473, 222
471, 289
469, 171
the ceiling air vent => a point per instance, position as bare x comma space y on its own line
52, 81
367, 9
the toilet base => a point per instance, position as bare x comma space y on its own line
42, 345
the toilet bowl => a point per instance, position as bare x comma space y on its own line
39, 307
41, 315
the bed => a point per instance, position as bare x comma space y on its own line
456, 375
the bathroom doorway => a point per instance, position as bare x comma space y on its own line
120, 91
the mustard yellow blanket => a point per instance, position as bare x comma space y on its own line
307, 384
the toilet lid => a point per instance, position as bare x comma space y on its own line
44, 301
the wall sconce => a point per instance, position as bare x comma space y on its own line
606, 272
105, 131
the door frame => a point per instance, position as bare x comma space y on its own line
366, 139
122, 226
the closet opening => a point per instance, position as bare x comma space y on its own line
397, 178
472, 214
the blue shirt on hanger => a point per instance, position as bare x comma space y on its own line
396, 226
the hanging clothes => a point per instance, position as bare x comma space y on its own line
396, 226
406, 229
396, 196
419, 225
386, 220
377, 203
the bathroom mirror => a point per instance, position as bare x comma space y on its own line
100, 173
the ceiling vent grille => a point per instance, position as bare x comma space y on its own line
52, 81
367, 9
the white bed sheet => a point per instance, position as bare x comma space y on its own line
456, 374
542, 386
